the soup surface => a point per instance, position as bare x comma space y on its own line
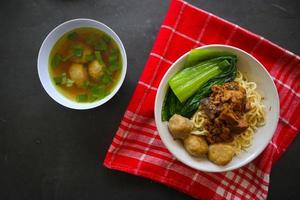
85, 64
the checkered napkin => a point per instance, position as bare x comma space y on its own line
137, 148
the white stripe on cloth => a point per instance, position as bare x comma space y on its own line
133, 118
239, 180
275, 146
261, 39
233, 185
203, 30
160, 57
181, 34
287, 69
220, 191
147, 85
286, 86
258, 172
154, 75
180, 169
140, 119
189, 186
139, 128
167, 169
138, 135
287, 123
119, 133
137, 155
255, 188
231, 34
289, 100
141, 147
281, 61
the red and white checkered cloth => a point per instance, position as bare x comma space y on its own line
137, 148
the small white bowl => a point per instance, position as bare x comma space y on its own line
255, 71
43, 57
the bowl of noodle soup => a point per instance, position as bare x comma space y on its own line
262, 117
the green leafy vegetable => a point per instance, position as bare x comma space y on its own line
72, 36
171, 105
192, 75
86, 84
60, 80
90, 39
63, 80
101, 45
106, 38
98, 92
106, 79
188, 81
108, 70
99, 57
197, 55
113, 59
115, 51
56, 60
77, 51
90, 57
192, 104
114, 67
82, 98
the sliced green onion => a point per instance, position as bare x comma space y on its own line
77, 51
98, 92
82, 98
106, 79
72, 36
101, 46
90, 57
56, 60
99, 57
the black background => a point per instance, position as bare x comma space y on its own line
50, 152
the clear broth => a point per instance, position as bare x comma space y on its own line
66, 51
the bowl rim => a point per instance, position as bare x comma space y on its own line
73, 104
157, 115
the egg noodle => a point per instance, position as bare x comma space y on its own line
255, 116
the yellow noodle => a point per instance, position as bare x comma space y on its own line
255, 116
199, 119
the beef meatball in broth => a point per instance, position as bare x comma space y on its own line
78, 74
179, 126
220, 154
95, 69
196, 145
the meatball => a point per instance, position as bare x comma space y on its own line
179, 126
86, 50
196, 145
95, 69
220, 154
78, 74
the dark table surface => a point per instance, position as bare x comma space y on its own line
51, 152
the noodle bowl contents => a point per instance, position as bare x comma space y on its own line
212, 108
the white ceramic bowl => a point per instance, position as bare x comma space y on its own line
47, 45
255, 71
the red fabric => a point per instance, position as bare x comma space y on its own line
137, 148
